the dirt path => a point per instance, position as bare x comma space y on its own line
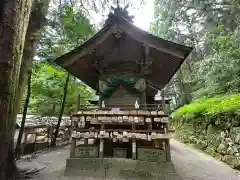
191, 164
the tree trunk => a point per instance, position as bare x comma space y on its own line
36, 23
53, 109
61, 111
185, 95
25, 108
13, 22
185, 88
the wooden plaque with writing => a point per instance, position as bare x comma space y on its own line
152, 155
85, 151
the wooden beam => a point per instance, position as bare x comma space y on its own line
149, 83
134, 32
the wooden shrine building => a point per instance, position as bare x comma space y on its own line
126, 66
120, 49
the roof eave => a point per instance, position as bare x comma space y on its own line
157, 45
60, 60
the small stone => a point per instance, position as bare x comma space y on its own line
232, 150
230, 144
202, 144
222, 148
235, 134
228, 140
193, 139
237, 139
223, 135
237, 154
215, 141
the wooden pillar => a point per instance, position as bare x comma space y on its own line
85, 141
150, 125
133, 127
164, 110
167, 143
163, 101
167, 148
143, 99
101, 145
134, 149
101, 148
73, 147
102, 127
167, 106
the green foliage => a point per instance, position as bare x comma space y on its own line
47, 90
76, 26
67, 28
219, 71
212, 28
209, 108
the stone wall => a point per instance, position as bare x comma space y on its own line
221, 140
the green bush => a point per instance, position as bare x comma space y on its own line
207, 108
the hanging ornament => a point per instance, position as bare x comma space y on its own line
102, 86
140, 85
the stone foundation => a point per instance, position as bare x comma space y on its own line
120, 168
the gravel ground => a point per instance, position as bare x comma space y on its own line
190, 164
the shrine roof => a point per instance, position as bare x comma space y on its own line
167, 56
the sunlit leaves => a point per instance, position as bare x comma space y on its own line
211, 26
212, 107
76, 25
47, 90
219, 71
68, 27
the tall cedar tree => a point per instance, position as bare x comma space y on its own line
14, 19
36, 23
